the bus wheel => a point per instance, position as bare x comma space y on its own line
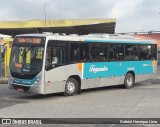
129, 81
71, 87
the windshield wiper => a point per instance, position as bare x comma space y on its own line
24, 52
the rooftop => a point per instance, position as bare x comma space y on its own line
73, 26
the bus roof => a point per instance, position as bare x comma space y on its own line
108, 38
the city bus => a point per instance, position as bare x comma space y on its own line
57, 63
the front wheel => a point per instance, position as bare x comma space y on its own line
71, 87
129, 81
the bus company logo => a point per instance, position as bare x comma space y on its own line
96, 69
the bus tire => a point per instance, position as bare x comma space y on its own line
71, 87
128, 81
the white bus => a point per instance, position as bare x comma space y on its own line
52, 63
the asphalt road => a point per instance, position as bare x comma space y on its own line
142, 101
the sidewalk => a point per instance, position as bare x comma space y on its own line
3, 80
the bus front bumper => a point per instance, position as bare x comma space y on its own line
25, 88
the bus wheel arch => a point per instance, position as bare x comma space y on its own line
73, 82
129, 80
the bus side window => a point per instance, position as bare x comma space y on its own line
84, 52
154, 52
131, 52
74, 52
99, 52
120, 52
58, 56
112, 52
145, 52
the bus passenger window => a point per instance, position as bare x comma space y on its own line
74, 52
116, 52
135, 52
112, 52
99, 52
131, 52
154, 52
145, 52
84, 56
75, 56
84, 52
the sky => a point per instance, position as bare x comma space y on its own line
130, 15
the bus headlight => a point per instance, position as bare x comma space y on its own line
36, 82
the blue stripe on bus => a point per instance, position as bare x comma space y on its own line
119, 41
114, 69
24, 81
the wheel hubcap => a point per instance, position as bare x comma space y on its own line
129, 81
70, 87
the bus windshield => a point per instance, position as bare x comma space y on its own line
26, 60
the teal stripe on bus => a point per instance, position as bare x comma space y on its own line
118, 41
116, 69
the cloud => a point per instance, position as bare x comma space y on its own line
131, 15
142, 17
123, 8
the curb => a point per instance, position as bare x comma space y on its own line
3, 80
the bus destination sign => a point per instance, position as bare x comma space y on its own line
29, 40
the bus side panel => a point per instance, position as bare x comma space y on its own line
97, 74
129, 66
155, 64
95, 70
56, 78
93, 74
88, 83
102, 74
118, 70
145, 67
147, 70
143, 77
115, 69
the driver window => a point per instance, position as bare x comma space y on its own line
58, 56
54, 55
48, 56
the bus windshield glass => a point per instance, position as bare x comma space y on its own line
26, 58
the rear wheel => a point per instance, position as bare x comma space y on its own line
71, 87
129, 81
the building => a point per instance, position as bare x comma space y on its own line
5, 51
153, 35
76, 26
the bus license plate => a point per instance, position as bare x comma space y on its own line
20, 90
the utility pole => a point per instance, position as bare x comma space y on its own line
45, 13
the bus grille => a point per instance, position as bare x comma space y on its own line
25, 88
